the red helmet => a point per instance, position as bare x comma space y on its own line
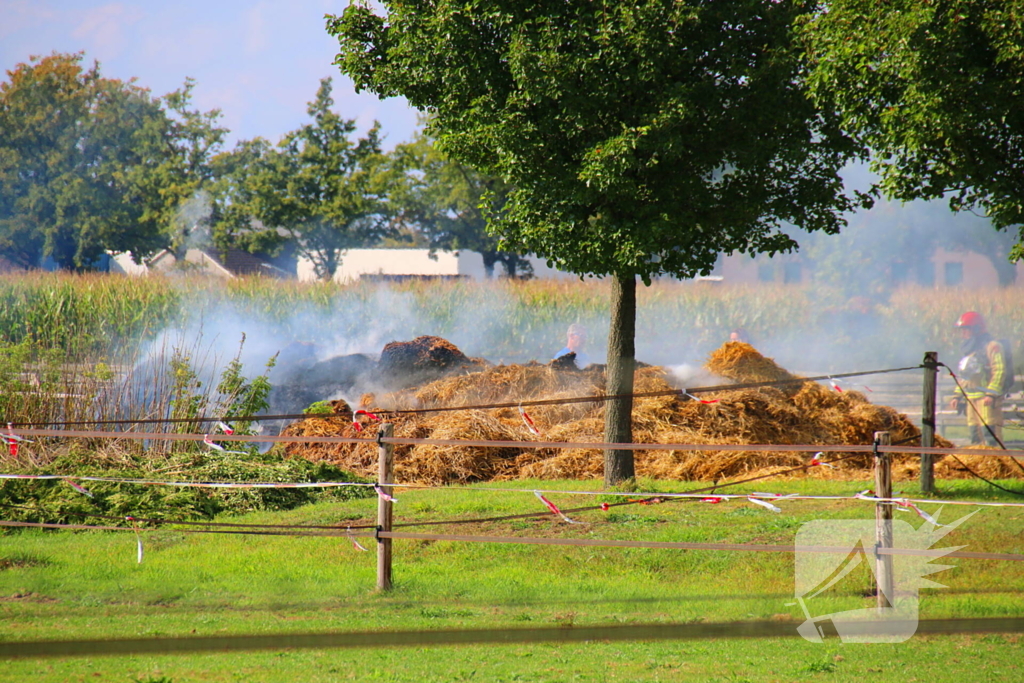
972, 319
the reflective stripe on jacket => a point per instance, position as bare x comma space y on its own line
994, 372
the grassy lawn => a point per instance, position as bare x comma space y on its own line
88, 585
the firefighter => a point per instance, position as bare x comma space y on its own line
986, 375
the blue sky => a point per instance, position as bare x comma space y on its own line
258, 61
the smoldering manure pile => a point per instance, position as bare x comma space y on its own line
795, 413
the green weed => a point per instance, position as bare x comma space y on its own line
821, 667
57, 501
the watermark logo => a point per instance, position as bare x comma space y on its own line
838, 553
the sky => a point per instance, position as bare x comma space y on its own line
258, 61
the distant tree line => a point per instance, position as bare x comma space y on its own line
90, 164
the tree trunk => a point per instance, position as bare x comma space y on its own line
618, 422
490, 258
325, 264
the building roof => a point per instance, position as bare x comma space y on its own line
239, 262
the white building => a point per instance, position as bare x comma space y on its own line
399, 264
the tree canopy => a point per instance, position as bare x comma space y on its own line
934, 89
318, 188
89, 164
442, 200
639, 138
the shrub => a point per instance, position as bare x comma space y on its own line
55, 500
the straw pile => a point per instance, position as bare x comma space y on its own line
797, 413
741, 363
980, 463
431, 463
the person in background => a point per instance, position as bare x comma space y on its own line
576, 340
985, 375
739, 335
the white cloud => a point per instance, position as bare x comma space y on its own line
23, 15
256, 37
105, 29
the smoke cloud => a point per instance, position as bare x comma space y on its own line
849, 315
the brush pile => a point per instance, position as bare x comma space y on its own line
794, 413
423, 358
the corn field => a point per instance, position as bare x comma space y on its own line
85, 322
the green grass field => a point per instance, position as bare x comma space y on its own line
88, 585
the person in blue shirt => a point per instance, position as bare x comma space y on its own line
576, 340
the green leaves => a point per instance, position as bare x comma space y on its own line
934, 90
318, 188
56, 501
447, 203
89, 164
609, 122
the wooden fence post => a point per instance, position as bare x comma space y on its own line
928, 398
385, 472
883, 524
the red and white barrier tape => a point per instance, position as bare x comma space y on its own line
218, 447
357, 425
383, 495
554, 508
907, 505
866, 495
13, 440
589, 445
195, 484
821, 463
764, 503
528, 421
355, 543
138, 537
81, 489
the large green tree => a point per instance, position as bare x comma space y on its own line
193, 140
444, 201
88, 163
640, 137
319, 189
934, 88
245, 188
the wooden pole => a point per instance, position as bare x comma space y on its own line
928, 398
385, 472
883, 524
